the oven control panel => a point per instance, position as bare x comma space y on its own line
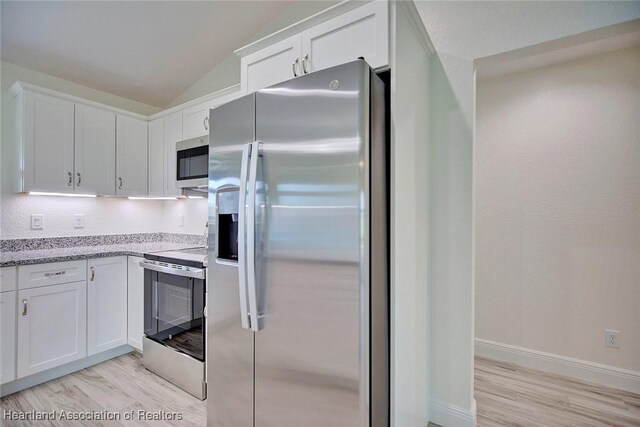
171, 268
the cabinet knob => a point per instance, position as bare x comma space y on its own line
93, 274
305, 61
120, 183
70, 182
205, 123
24, 307
79, 180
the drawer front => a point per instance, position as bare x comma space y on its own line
8, 279
34, 276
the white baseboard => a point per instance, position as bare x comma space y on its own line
446, 415
605, 375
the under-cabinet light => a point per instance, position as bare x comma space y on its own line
195, 197
152, 198
42, 193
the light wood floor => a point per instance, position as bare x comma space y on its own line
506, 394
120, 385
509, 395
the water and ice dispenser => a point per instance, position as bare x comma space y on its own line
227, 235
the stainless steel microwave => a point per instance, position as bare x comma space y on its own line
192, 162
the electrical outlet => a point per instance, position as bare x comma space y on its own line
78, 221
37, 221
612, 338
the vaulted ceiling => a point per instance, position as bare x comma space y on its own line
148, 51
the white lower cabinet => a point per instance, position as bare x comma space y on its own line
106, 303
7, 336
135, 302
52, 326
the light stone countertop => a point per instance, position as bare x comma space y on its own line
120, 246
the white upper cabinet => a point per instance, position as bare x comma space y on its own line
172, 134
156, 157
271, 65
195, 121
131, 156
45, 129
66, 144
106, 303
362, 32
95, 150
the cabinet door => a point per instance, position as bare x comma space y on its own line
106, 303
195, 121
135, 302
52, 326
95, 151
7, 337
156, 158
271, 65
172, 134
131, 156
362, 32
48, 143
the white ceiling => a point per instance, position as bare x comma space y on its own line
148, 51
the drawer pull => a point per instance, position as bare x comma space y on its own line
24, 307
93, 274
57, 273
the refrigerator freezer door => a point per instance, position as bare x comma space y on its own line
312, 245
229, 346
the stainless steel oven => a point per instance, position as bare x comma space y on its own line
174, 325
192, 162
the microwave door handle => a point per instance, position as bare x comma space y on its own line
242, 238
251, 237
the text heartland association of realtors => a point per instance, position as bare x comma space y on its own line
138, 415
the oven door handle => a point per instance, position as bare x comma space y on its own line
196, 273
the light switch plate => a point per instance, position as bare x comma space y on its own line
78, 221
37, 221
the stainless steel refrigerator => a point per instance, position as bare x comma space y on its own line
297, 301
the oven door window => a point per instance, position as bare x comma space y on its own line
174, 308
193, 163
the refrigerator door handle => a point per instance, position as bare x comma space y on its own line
242, 238
251, 238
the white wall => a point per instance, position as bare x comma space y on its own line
102, 215
558, 208
193, 211
462, 32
